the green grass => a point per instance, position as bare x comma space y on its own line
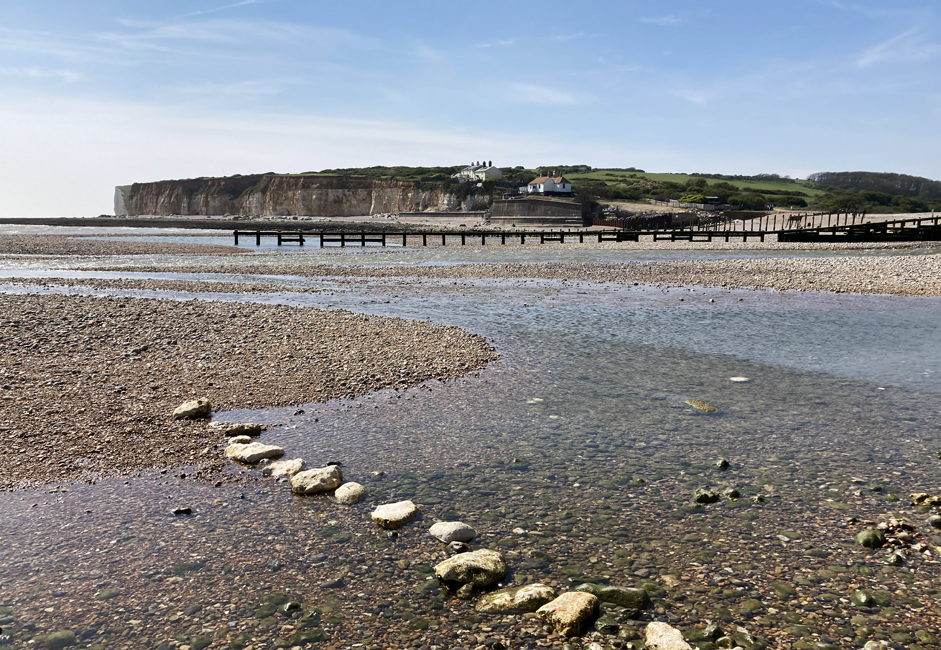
806, 187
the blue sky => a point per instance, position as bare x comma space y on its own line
99, 93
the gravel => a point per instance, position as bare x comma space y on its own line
901, 275
61, 245
88, 385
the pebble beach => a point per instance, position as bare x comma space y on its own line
729, 491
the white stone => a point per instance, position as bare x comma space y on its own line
253, 452
193, 410
481, 568
238, 428
350, 493
239, 440
660, 636
528, 598
322, 479
394, 515
739, 380
452, 531
286, 467
570, 613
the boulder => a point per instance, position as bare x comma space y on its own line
240, 440
527, 598
705, 495
196, 409
481, 568
322, 479
701, 406
570, 613
871, 538
660, 636
286, 467
250, 429
253, 452
350, 493
628, 597
452, 531
394, 515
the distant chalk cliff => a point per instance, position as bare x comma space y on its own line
273, 195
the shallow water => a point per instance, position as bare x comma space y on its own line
579, 436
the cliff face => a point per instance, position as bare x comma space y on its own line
271, 195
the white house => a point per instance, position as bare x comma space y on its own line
549, 185
479, 172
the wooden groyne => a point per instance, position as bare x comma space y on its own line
922, 229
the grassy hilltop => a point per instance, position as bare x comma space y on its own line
827, 191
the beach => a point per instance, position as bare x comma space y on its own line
547, 404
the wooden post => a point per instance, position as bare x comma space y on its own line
342, 240
522, 238
483, 239
257, 238
279, 238
362, 239
236, 237
462, 239
321, 239
404, 237
424, 239
561, 237
542, 238
581, 238
503, 238
300, 237
443, 240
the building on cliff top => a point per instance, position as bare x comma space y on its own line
478, 172
548, 186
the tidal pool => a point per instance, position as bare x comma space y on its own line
576, 455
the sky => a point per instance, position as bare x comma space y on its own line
99, 93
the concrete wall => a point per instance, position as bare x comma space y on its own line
536, 212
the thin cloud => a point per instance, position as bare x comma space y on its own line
40, 73
222, 8
568, 37
542, 95
666, 21
499, 42
240, 88
908, 46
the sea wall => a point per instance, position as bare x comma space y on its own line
272, 195
536, 212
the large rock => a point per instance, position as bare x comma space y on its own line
394, 515
196, 409
701, 406
570, 613
238, 428
350, 493
628, 597
480, 568
286, 467
452, 531
253, 452
528, 598
660, 636
322, 479
871, 538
